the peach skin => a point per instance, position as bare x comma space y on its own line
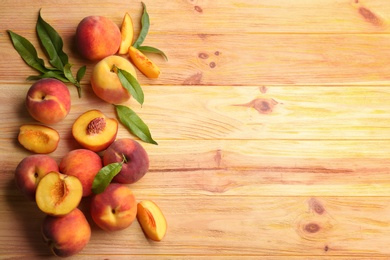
48, 101
66, 235
31, 170
97, 37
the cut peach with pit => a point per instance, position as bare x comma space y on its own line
38, 138
94, 131
58, 194
127, 32
152, 220
143, 63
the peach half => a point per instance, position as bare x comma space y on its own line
94, 131
127, 32
152, 220
58, 194
66, 235
38, 138
105, 81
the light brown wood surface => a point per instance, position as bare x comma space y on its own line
272, 119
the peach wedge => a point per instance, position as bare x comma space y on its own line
58, 194
38, 138
94, 131
127, 32
143, 63
152, 220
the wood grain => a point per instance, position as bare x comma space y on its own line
272, 122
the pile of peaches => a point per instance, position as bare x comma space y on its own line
58, 188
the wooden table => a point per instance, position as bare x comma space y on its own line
272, 122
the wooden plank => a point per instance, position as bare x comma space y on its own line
246, 59
262, 226
250, 168
232, 113
282, 16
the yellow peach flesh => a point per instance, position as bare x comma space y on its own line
94, 131
58, 194
152, 220
127, 32
38, 138
143, 63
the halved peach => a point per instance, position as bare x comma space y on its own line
127, 32
151, 219
38, 138
143, 63
58, 194
94, 131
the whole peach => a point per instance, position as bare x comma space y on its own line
48, 101
136, 162
30, 171
115, 208
83, 164
66, 235
97, 37
105, 81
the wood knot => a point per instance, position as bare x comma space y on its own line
198, 9
194, 79
312, 227
316, 206
369, 16
262, 105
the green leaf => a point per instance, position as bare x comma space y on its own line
152, 50
27, 51
104, 177
68, 73
130, 83
50, 74
52, 43
134, 123
80, 73
145, 23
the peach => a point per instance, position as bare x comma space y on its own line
30, 171
105, 81
136, 162
97, 37
66, 235
115, 208
144, 64
58, 194
94, 131
127, 33
152, 220
83, 164
38, 138
48, 101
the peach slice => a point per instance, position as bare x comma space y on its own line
152, 220
127, 32
94, 131
58, 194
143, 63
38, 138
